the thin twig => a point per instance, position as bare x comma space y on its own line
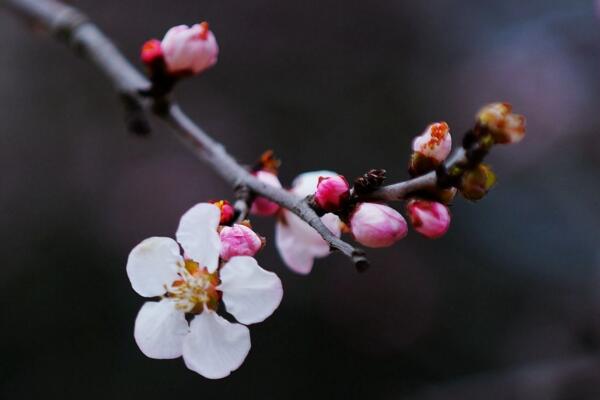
401, 190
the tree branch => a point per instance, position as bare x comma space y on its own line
73, 28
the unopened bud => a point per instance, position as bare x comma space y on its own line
377, 225
332, 192
476, 182
151, 52
189, 50
429, 218
227, 211
504, 126
262, 206
239, 240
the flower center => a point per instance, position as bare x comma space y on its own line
196, 289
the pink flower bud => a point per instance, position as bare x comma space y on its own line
377, 225
435, 142
429, 218
262, 206
189, 49
504, 126
332, 192
227, 211
239, 240
151, 51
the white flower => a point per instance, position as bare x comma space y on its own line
297, 242
194, 284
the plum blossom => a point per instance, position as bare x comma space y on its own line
262, 206
429, 218
504, 126
377, 225
298, 243
194, 284
189, 49
435, 142
332, 192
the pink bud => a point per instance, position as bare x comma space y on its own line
189, 49
429, 218
227, 211
332, 192
377, 225
151, 51
262, 206
239, 240
435, 142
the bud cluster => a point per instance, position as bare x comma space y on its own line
375, 224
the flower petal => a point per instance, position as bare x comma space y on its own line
250, 293
197, 234
152, 265
215, 346
299, 244
160, 329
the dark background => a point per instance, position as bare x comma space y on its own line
505, 306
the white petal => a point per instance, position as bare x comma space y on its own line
197, 234
306, 183
215, 346
299, 244
160, 329
250, 293
152, 265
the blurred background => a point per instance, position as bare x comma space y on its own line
505, 306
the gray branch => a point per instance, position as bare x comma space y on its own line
74, 29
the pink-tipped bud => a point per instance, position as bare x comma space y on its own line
435, 142
377, 225
239, 240
189, 49
262, 206
227, 211
332, 192
151, 52
499, 120
429, 218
